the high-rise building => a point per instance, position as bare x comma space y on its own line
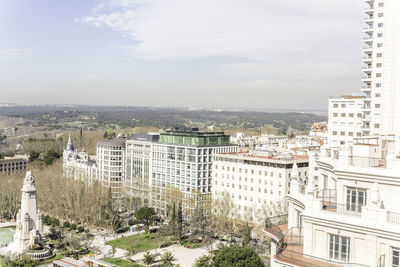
111, 166
181, 167
382, 67
138, 167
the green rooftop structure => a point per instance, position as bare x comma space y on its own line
194, 137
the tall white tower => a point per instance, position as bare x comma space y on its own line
381, 111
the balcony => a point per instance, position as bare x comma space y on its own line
289, 248
366, 79
345, 209
369, 10
368, 49
367, 59
368, 39
368, 29
367, 70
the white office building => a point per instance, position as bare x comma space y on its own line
257, 183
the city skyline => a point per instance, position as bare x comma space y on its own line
256, 54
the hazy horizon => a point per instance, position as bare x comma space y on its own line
174, 53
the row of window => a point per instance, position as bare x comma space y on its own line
344, 133
350, 115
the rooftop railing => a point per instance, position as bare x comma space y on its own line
366, 161
393, 217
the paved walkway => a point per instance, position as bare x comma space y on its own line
6, 224
185, 257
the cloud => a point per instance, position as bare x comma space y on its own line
256, 30
14, 53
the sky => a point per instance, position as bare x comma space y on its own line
285, 54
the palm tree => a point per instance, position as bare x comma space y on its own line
167, 259
148, 258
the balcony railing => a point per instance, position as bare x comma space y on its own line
300, 259
345, 209
393, 217
271, 225
366, 161
289, 248
327, 195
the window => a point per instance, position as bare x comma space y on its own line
350, 133
335, 105
395, 257
377, 94
380, 35
351, 115
377, 105
378, 75
334, 132
339, 248
359, 115
379, 55
379, 44
376, 125
343, 115
335, 114
380, 5
380, 25
380, 15
355, 199
342, 133
343, 105
378, 65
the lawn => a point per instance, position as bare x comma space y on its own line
138, 243
122, 263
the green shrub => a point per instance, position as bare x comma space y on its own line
72, 226
66, 224
80, 229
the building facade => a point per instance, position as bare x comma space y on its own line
382, 66
13, 164
181, 167
255, 183
345, 119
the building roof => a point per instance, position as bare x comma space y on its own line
68, 262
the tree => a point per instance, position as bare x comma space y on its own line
33, 155
24, 261
173, 219
167, 260
204, 261
179, 220
145, 214
66, 224
235, 256
198, 221
246, 236
72, 226
148, 258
